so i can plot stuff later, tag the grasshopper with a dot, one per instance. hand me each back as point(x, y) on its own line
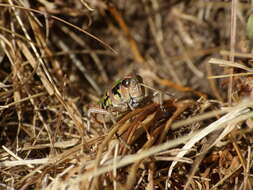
point(126, 94)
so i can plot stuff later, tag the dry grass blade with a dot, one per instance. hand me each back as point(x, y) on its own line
point(61, 20)
point(232, 117)
point(158, 126)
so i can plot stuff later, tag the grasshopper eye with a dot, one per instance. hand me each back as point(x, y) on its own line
point(126, 82)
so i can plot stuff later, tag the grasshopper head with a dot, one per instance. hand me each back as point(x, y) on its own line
point(132, 90)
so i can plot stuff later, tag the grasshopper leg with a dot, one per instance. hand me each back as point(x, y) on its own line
point(159, 92)
point(98, 111)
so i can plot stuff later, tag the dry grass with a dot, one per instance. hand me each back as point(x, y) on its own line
point(58, 57)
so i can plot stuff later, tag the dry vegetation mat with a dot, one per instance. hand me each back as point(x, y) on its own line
point(179, 116)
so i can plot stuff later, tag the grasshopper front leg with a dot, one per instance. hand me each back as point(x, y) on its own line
point(98, 111)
